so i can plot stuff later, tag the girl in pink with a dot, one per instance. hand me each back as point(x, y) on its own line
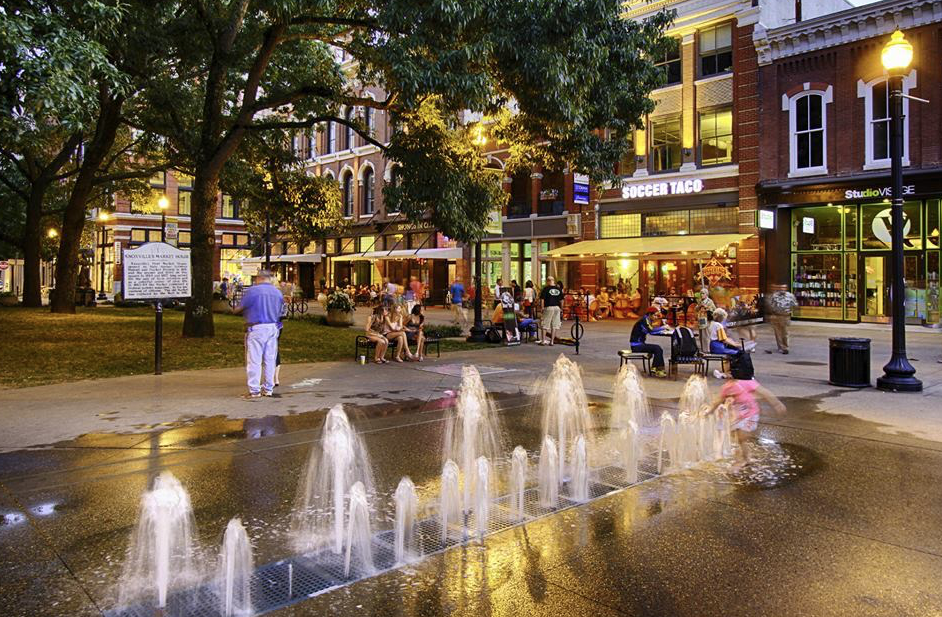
point(739, 395)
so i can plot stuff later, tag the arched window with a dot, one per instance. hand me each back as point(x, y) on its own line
point(350, 117)
point(807, 123)
point(347, 190)
point(877, 120)
point(331, 138)
point(394, 179)
point(369, 191)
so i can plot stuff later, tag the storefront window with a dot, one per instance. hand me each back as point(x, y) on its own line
point(421, 241)
point(850, 286)
point(623, 271)
point(670, 223)
point(932, 224)
point(367, 243)
point(620, 226)
point(876, 228)
point(817, 282)
point(492, 249)
point(394, 242)
point(850, 227)
point(230, 262)
point(817, 228)
point(933, 309)
point(348, 245)
point(714, 220)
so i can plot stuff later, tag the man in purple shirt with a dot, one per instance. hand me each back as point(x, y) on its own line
point(261, 306)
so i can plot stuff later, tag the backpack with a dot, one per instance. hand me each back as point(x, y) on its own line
point(683, 343)
point(740, 366)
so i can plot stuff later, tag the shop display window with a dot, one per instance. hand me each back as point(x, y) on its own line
point(932, 224)
point(817, 228)
point(933, 307)
point(876, 230)
point(620, 226)
point(817, 282)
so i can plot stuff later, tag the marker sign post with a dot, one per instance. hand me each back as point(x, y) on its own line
point(157, 271)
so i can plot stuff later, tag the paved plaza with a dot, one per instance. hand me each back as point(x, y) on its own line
point(847, 525)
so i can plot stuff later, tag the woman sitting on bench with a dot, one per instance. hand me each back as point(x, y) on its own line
point(415, 330)
point(639, 335)
point(374, 332)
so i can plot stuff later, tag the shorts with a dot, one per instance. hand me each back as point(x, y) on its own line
point(552, 318)
point(747, 424)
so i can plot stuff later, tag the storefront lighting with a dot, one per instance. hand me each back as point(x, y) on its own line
point(897, 54)
point(103, 216)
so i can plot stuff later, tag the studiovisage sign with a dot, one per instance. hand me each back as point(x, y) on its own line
point(662, 189)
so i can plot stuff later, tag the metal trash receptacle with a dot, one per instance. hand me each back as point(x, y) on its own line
point(850, 362)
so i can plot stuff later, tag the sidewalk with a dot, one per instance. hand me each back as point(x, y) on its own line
point(50, 414)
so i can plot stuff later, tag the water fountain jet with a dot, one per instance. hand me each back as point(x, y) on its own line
point(548, 474)
point(565, 410)
point(359, 536)
point(450, 510)
point(482, 496)
point(579, 484)
point(518, 482)
point(235, 572)
point(406, 506)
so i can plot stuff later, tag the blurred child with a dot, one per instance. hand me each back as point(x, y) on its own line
point(739, 395)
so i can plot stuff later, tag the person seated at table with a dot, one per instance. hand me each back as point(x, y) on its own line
point(638, 341)
point(602, 304)
point(634, 303)
point(720, 342)
point(375, 325)
point(415, 330)
point(395, 331)
point(526, 324)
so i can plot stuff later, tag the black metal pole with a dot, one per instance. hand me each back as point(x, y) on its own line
point(267, 241)
point(163, 225)
point(477, 330)
point(101, 278)
point(158, 338)
point(898, 374)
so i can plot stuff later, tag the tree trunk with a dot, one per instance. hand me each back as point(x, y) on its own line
point(32, 246)
point(198, 321)
point(73, 221)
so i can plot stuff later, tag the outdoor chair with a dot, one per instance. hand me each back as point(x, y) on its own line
point(626, 355)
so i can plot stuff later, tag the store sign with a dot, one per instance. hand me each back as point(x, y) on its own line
point(117, 252)
point(882, 193)
point(765, 219)
point(403, 227)
point(155, 271)
point(714, 271)
point(494, 223)
point(807, 225)
point(882, 226)
point(574, 225)
point(580, 189)
point(662, 189)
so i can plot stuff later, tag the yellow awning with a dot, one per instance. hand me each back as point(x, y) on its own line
point(628, 247)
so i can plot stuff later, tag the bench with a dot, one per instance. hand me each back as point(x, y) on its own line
point(626, 355)
point(675, 361)
point(367, 345)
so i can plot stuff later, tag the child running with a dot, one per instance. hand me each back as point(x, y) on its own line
point(739, 395)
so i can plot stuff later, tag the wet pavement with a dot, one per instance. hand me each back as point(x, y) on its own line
point(838, 520)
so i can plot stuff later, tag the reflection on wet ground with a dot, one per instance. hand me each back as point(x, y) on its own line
point(709, 541)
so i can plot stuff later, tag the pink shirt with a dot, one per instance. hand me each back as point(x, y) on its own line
point(743, 393)
point(417, 289)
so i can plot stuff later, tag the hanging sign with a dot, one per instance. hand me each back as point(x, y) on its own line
point(765, 219)
point(714, 271)
point(156, 270)
point(580, 189)
point(807, 225)
point(494, 223)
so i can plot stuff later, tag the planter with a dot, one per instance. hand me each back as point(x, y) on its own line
point(339, 318)
point(221, 306)
point(9, 301)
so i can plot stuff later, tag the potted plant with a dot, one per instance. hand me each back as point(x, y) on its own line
point(339, 309)
point(8, 298)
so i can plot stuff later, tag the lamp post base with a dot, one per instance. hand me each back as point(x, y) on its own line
point(899, 383)
point(477, 335)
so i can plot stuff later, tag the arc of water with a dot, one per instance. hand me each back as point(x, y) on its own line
point(235, 571)
point(482, 496)
point(358, 530)
point(518, 482)
point(580, 471)
point(667, 440)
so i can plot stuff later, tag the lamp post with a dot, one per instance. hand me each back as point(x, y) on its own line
point(898, 373)
point(103, 218)
point(477, 334)
point(163, 204)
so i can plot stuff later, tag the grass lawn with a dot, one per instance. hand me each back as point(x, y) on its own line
point(41, 348)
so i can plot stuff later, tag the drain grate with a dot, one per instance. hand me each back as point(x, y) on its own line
point(288, 581)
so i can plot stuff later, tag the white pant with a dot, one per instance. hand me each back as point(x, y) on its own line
point(261, 346)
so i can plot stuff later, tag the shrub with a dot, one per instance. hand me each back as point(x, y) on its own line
point(442, 331)
point(339, 301)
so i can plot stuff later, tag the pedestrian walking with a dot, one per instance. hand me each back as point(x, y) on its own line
point(261, 307)
point(552, 297)
point(457, 303)
point(780, 305)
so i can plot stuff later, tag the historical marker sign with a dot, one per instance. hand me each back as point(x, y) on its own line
point(156, 271)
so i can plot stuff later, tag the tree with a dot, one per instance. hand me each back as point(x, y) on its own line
point(576, 74)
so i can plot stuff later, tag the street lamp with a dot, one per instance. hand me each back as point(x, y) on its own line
point(52, 233)
point(898, 374)
point(478, 333)
point(163, 203)
point(103, 218)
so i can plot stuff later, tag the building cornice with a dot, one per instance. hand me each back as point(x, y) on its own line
point(856, 24)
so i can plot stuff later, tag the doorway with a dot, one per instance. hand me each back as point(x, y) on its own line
point(876, 278)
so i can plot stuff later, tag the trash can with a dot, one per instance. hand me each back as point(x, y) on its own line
point(850, 362)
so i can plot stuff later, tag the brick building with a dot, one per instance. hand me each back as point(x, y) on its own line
point(683, 211)
point(824, 161)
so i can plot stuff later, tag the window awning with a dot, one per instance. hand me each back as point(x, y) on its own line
point(311, 258)
point(629, 247)
point(443, 253)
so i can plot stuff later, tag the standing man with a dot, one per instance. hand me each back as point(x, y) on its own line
point(457, 308)
point(496, 291)
point(552, 297)
point(261, 306)
point(780, 306)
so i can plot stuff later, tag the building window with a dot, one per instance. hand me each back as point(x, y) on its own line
point(808, 132)
point(369, 120)
point(159, 179)
point(311, 145)
point(347, 191)
point(296, 144)
point(230, 208)
point(141, 236)
point(716, 50)
point(184, 202)
point(665, 145)
point(716, 137)
point(669, 62)
point(877, 121)
point(331, 138)
point(620, 225)
point(350, 117)
point(369, 191)
point(395, 178)
point(183, 238)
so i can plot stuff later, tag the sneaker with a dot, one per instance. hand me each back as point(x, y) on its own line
point(659, 373)
point(785, 352)
point(267, 393)
point(718, 374)
point(252, 395)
